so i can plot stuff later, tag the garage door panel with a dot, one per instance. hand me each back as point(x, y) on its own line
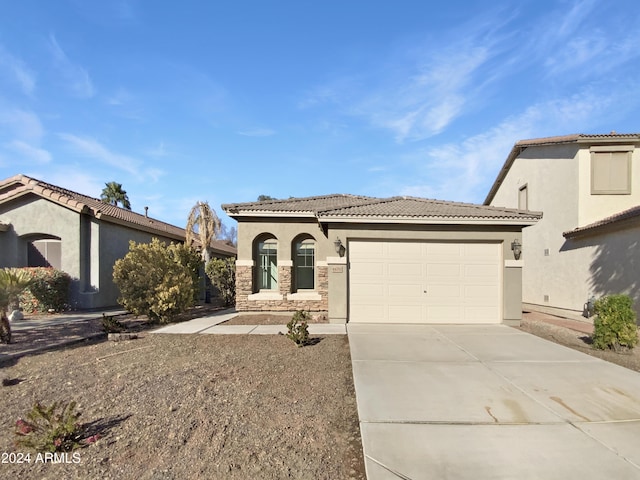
point(482, 270)
point(445, 313)
point(402, 291)
point(405, 313)
point(444, 291)
point(481, 314)
point(435, 270)
point(476, 293)
point(463, 282)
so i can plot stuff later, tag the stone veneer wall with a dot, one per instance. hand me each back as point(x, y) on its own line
point(244, 288)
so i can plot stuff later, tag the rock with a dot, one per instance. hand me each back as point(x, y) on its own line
point(117, 337)
point(16, 315)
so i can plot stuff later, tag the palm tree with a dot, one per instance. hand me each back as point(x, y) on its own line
point(204, 223)
point(12, 282)
point(113, 194)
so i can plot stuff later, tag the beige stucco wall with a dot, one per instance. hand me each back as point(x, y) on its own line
point(612, 261)
point(511, 275)
point(32, 215)
point(555, 273)
point(89, 247)
point(337, 266)
point(596, 207)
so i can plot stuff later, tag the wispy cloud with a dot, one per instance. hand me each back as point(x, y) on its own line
point(423, 85)
point(158, 151)
point(29, 152)
point(463, 171)
point(76, 78)
point(91, 148)
point(21, 124)
point(16, 70)
point(257, 132)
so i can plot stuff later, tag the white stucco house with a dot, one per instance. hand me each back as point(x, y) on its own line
point(588, 242)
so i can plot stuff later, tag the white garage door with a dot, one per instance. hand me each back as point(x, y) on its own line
point(424, 282)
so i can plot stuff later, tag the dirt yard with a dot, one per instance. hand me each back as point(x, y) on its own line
point(194, 406)
point(580, 341)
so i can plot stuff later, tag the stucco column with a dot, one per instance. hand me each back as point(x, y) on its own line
point(337, 267)
point(512, 292)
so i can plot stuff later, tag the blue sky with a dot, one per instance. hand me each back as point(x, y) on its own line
point(226, 100)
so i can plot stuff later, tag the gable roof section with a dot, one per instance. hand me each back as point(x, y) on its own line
point(305, 206)
point(578, 138)
point(20, 185)
point(359, 209)
point(621, 219)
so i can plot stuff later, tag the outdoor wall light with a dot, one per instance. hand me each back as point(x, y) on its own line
point(337, 244)
point(516, 247)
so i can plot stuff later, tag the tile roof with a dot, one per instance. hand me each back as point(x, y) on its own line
point(19, 185)
point(620, 218)
point(350, 207)
point(577, 138)
point(305, 204)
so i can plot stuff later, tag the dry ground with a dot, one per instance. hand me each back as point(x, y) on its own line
point(195, 406)
point(580, 341)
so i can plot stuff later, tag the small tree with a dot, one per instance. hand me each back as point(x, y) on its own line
point(152, 282)
point(615, 323)
point(222, 273)
point(204, 224)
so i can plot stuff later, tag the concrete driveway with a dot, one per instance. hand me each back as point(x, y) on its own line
point(490, 402)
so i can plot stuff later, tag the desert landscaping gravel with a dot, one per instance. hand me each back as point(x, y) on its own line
point(194, 406)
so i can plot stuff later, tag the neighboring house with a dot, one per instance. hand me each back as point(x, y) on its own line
point(363, 259)
point(45, 225)
point(587, 244)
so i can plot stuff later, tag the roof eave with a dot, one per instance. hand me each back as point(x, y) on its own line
point(431, 220)
point(136, 226)
point(266, 213)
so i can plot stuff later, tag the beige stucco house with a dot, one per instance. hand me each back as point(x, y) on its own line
point(587, 244)
point(364, 259)
point(45, 225)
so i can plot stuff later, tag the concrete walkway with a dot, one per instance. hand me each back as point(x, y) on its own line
point(211, 325)
point(490, 402)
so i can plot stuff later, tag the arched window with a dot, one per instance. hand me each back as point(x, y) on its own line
point(304, 261)
point(46, 252)
point(267, 264)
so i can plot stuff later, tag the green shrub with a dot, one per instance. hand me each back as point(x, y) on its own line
point(190, 258)
point(615, 323)
point(111, 324)
point(50, 429)
point(222, 273)
point(298, 328)
point(152, 282)
point(49, 290)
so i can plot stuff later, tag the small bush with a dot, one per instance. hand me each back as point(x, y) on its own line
point(298, 328)
point(51, 429)
point(111, 324)
point(222, 273)
point(49, 290)
point(152, 282)
point(615, 323)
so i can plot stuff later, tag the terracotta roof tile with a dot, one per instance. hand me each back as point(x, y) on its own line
point(22, 184)
point(618, 218)
point(351, 206)
point(305, 204)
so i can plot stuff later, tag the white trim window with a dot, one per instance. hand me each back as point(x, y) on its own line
point(304, 263)
point(268, 265)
